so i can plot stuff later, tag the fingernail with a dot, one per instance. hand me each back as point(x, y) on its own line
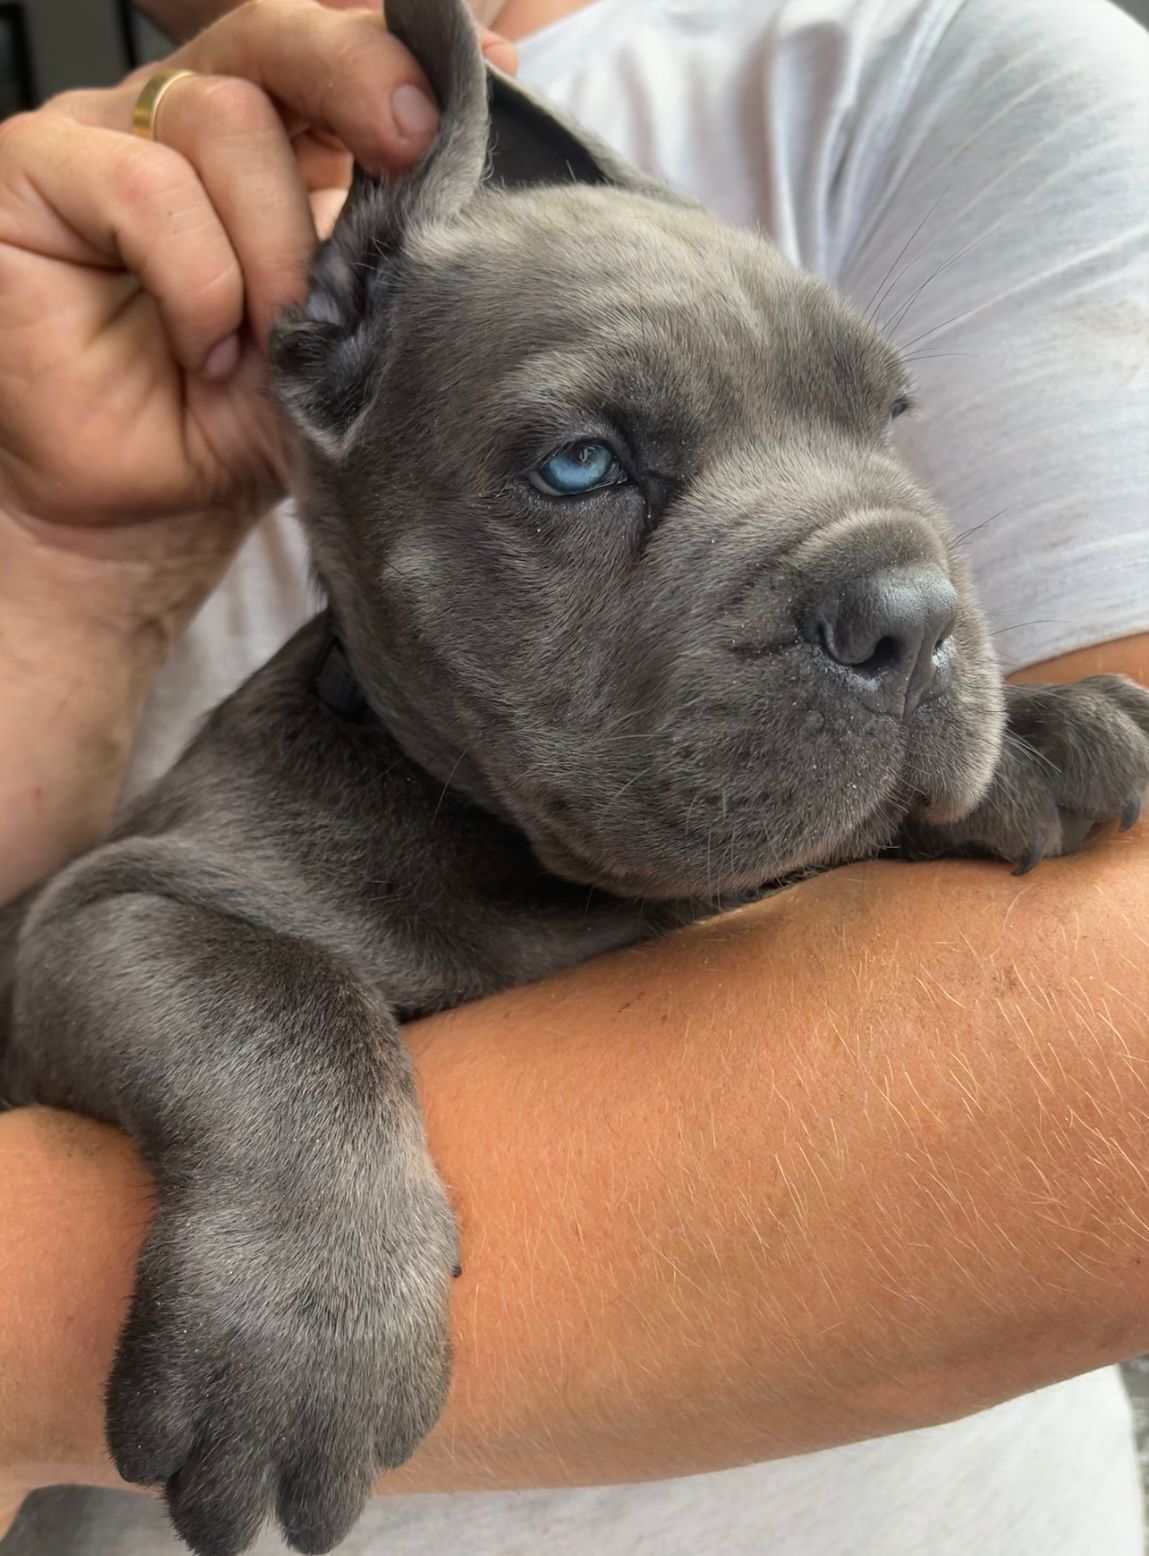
point(416, 116)
point(222, 360)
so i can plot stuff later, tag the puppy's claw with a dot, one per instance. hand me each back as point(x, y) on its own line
point(1033, 855)
point(457, 1271)
point(1130, 813)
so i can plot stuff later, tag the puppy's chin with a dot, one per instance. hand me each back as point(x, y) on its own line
point(570, 864)
point(727, 833)
point(683, 878)
point(951, 790)
point(741, 857)
point(941, 810)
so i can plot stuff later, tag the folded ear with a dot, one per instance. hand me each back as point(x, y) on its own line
point(322, 352)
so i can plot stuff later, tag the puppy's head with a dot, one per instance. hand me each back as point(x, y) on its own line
point(602, 494)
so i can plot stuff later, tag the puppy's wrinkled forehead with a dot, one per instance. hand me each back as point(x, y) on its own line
point(583, 300)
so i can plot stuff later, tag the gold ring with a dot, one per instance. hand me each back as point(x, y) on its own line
point(149, 100)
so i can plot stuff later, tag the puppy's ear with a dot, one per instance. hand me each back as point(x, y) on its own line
point(322, 352)
point(531, 143)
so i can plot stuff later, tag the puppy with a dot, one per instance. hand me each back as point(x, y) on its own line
point(633, 611)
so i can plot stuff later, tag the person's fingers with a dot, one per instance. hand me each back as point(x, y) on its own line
point(338, 70)
point(499, 50)
point(323, 162)
point(338, 81)
point(230, 133)
point(326, 205)
point(326, 173)
point(93, 197)
point(331, 70)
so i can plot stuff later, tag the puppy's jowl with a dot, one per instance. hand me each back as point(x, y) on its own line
point(633, 610)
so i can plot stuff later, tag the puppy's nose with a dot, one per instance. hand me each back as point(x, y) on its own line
point(885, 629)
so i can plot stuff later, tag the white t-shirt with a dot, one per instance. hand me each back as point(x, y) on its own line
point(977, 171)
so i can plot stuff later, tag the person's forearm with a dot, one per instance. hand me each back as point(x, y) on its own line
point(863, 1157)
point(74, 1206)
point(73, 683)
point(87, 617)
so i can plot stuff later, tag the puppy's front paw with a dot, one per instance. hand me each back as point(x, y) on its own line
point(275, 1359)
point(1073, 756)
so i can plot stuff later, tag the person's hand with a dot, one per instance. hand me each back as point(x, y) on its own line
point(138, 281)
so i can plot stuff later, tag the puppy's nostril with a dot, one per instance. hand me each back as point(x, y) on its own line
point(884, 630)
point(845, 646)
point(855, 645)
point(884, 657)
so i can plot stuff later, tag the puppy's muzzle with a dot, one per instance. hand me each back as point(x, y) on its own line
point(887, 632)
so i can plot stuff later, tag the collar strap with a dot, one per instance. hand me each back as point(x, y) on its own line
point(335, 684)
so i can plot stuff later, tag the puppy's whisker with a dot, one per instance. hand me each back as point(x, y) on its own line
point(933, 356)
point(625, 717)
point(899, 318)
point(630, 782)
point(862, 250)
point(749, 728)
point(1035, 621)
point(975, 529)
point(883, 289)
point(447, 784)
point(1019, 743)
point(936, 329)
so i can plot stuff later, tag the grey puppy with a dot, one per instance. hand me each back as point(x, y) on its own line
point(633, 610)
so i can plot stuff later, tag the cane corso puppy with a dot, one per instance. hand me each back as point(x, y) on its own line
point(633, 611)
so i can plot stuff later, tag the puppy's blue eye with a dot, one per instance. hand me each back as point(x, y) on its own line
point(580, 467)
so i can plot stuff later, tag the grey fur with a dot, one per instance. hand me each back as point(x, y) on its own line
point(592, 719)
